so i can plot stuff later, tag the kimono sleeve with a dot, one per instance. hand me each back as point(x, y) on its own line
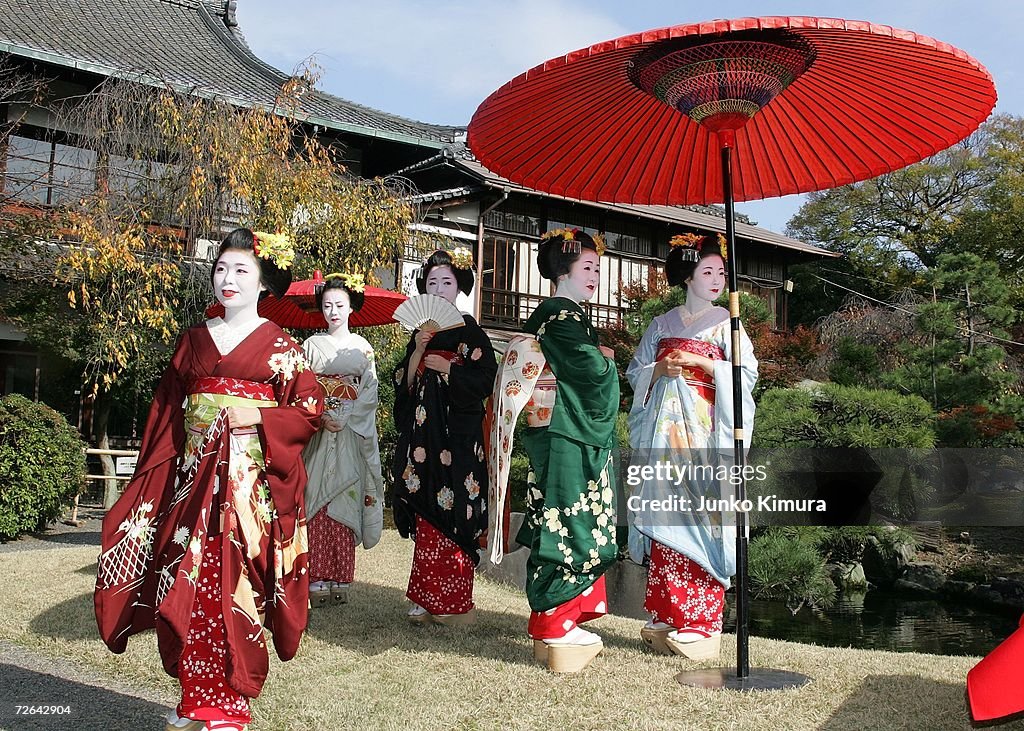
point(640, 372)
point(404, 399)
point(164, 437)
point(363, 418)
point(472, 381)
point(286, 429)
point(588, 384)
point(723, 389)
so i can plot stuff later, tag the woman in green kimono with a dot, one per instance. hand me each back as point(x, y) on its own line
point(570, 519)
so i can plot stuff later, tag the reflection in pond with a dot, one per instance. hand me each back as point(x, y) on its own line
point(882, 621)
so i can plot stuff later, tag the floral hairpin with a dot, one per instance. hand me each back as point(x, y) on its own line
point(462, 258)
point(353, 282)
point(274, 247)
point(691, 243)
point(570, 242)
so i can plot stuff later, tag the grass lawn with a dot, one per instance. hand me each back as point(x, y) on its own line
point(361, 666)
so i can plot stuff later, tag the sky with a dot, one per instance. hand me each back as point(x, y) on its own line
point(436, 60)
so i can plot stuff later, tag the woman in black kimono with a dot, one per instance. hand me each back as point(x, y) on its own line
point(440, 473)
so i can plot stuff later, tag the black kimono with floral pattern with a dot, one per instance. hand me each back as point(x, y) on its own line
point(440, 468)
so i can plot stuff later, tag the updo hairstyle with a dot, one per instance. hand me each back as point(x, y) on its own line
point(556, 254)
point(275, 279)
point(355, 299)
point(682, 261)
point(441, 258)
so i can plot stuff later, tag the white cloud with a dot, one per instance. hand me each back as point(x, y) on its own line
point(456, 49)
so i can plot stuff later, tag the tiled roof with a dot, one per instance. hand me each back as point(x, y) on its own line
point(192, 45)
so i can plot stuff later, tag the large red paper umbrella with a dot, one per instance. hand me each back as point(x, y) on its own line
point(298, 308)
point(731, 110)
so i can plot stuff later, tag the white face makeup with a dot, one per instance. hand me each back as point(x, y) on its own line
point(708, 279)
point(581, 282)
point(236, 280)
point(441, 281)
point(336, 308)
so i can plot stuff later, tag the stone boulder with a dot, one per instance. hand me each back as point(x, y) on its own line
point(882, 568)
point(921, 577)
point(848, 576)
point(1011, 591)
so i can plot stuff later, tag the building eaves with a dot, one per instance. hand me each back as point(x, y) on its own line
point(438, 196)
point(680, 215)
point(187, 45)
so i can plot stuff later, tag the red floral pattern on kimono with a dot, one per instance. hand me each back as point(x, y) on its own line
point(184, 491)
point(681, 593)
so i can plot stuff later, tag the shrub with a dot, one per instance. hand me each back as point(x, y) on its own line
point(42, 465)
point(843, 416)
point(855, 364)
point(785, 565)
point(855, 420)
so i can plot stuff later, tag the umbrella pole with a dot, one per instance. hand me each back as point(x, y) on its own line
point(723, 678)
point(739, 438)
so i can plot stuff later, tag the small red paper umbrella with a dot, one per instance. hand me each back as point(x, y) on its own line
point(298, 308)
point(731, 110)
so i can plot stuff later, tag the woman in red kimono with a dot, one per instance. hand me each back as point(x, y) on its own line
point(440, 474)
point(208, 542)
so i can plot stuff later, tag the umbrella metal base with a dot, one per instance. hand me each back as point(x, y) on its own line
point(726, 679)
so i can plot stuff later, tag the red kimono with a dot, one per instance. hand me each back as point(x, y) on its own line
point(200, 487)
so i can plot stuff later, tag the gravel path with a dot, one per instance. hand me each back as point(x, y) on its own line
point(62, 534)
point(76, 699)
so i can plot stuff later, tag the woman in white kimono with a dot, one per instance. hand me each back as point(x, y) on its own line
point(682, 411)
point(343, 458)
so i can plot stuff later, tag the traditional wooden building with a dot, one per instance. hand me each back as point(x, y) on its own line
point(505, 220)
point(197, 47)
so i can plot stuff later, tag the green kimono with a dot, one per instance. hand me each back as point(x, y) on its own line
point(570, 515)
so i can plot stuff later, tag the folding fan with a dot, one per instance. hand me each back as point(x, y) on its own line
point(428, 312)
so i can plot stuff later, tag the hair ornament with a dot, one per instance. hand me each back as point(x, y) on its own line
point(570, 242)
point(274, 247)
point(462, 258)
point(691, 243)
point(353, 282)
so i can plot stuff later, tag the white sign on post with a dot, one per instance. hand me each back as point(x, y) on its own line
point(125, 465)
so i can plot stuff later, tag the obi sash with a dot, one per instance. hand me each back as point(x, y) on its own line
point(446, 354)
point(222, 386)
point(338, 389)
point(209, 394)
point(703, 383)
point(538, 409)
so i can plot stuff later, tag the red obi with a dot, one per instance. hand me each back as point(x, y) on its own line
point(446, 354)
point(338, 388)
point(696, 378)
point(233, 387)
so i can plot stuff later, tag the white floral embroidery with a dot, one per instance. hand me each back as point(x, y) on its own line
point(286, 364)
point(181, 535)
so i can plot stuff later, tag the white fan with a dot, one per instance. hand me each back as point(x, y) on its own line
point(429, 312)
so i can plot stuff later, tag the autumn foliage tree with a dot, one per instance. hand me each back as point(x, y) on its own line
point(173, 172)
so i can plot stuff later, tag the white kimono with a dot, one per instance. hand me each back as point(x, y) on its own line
point(675, 420)
point(344, 466)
